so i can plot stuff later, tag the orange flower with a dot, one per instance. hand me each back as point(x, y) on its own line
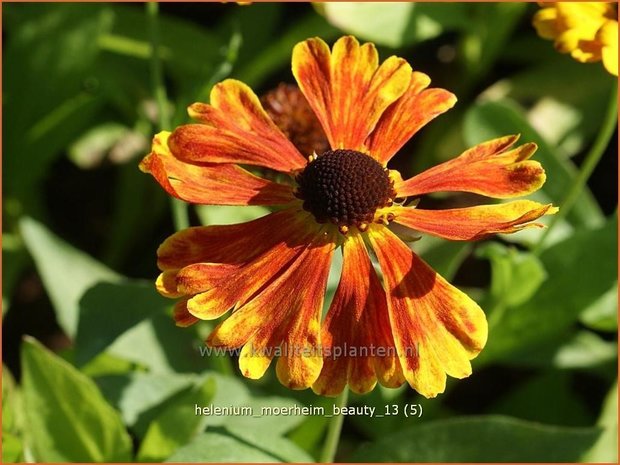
point(411, 325)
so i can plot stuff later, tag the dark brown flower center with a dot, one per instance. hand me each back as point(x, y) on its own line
point(345, 187)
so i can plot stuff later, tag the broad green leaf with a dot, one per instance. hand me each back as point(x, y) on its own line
point(243, 445)
point(66, 272)
point(606, 448)
point(161, 346)
point(309, 435)
point(141, 397)
point(582, 349)
point(579, 270)
point(220, 447)
point(67, 418)
point(177, 424)
point(103, 365)
point(395, 24)
point(12, 448)
point(489, 120)
point(585, 350)
point(529, 400)
point(107, 310)
point(264, 418)
point(481, 439)
point(602, 315)
point(383, 400)
point(515, 276)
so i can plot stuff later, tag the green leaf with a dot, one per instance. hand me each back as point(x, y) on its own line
point(177, 424)
point(394, 24)
point(583, 349)
point(247, 445)
point(161, 346)
point(606, 448)
point(222, 214)
point(602, 315)
point(529, 400)
point(66, 272)
point(275, 424)
point(59, 44)
point(141, 397)
point(67, 418)
point(576, 116)
point(107, 310)
point(12, 420)
point(579, 271)
point(489, 120)
point(103, 365)
point(515, 276)
point(481, 439)
point(12, 448)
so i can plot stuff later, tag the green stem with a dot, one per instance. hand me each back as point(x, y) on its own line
point(333, 431)
point(591, 160)
point(180, 214)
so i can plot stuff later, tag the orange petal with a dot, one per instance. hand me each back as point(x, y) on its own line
point(235, 243)
point(166, 284)
point(437, 328)
point(237, 130)
point(356, 336)
point(283, 320)
point(210, 184)
point(347, 89)
point(407, 116)
point(224, 292)
point(473, 223)
point(181, 315)
point(486, 169)
point(199, 277)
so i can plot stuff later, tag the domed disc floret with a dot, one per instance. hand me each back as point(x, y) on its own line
point(344, 187)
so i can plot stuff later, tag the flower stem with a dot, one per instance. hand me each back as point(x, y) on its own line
point(333, 430)
point(180, 215)
point(589, 163)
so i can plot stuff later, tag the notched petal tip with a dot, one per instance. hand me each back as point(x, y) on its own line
point(166, 284)
point(489, 169)
point(437, 328)
point(298, 372)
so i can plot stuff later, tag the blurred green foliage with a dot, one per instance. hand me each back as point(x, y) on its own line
point(122, 381)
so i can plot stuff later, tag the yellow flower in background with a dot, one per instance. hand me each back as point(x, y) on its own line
point(586, 30)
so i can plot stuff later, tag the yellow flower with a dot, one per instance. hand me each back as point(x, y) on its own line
point(586, 30)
